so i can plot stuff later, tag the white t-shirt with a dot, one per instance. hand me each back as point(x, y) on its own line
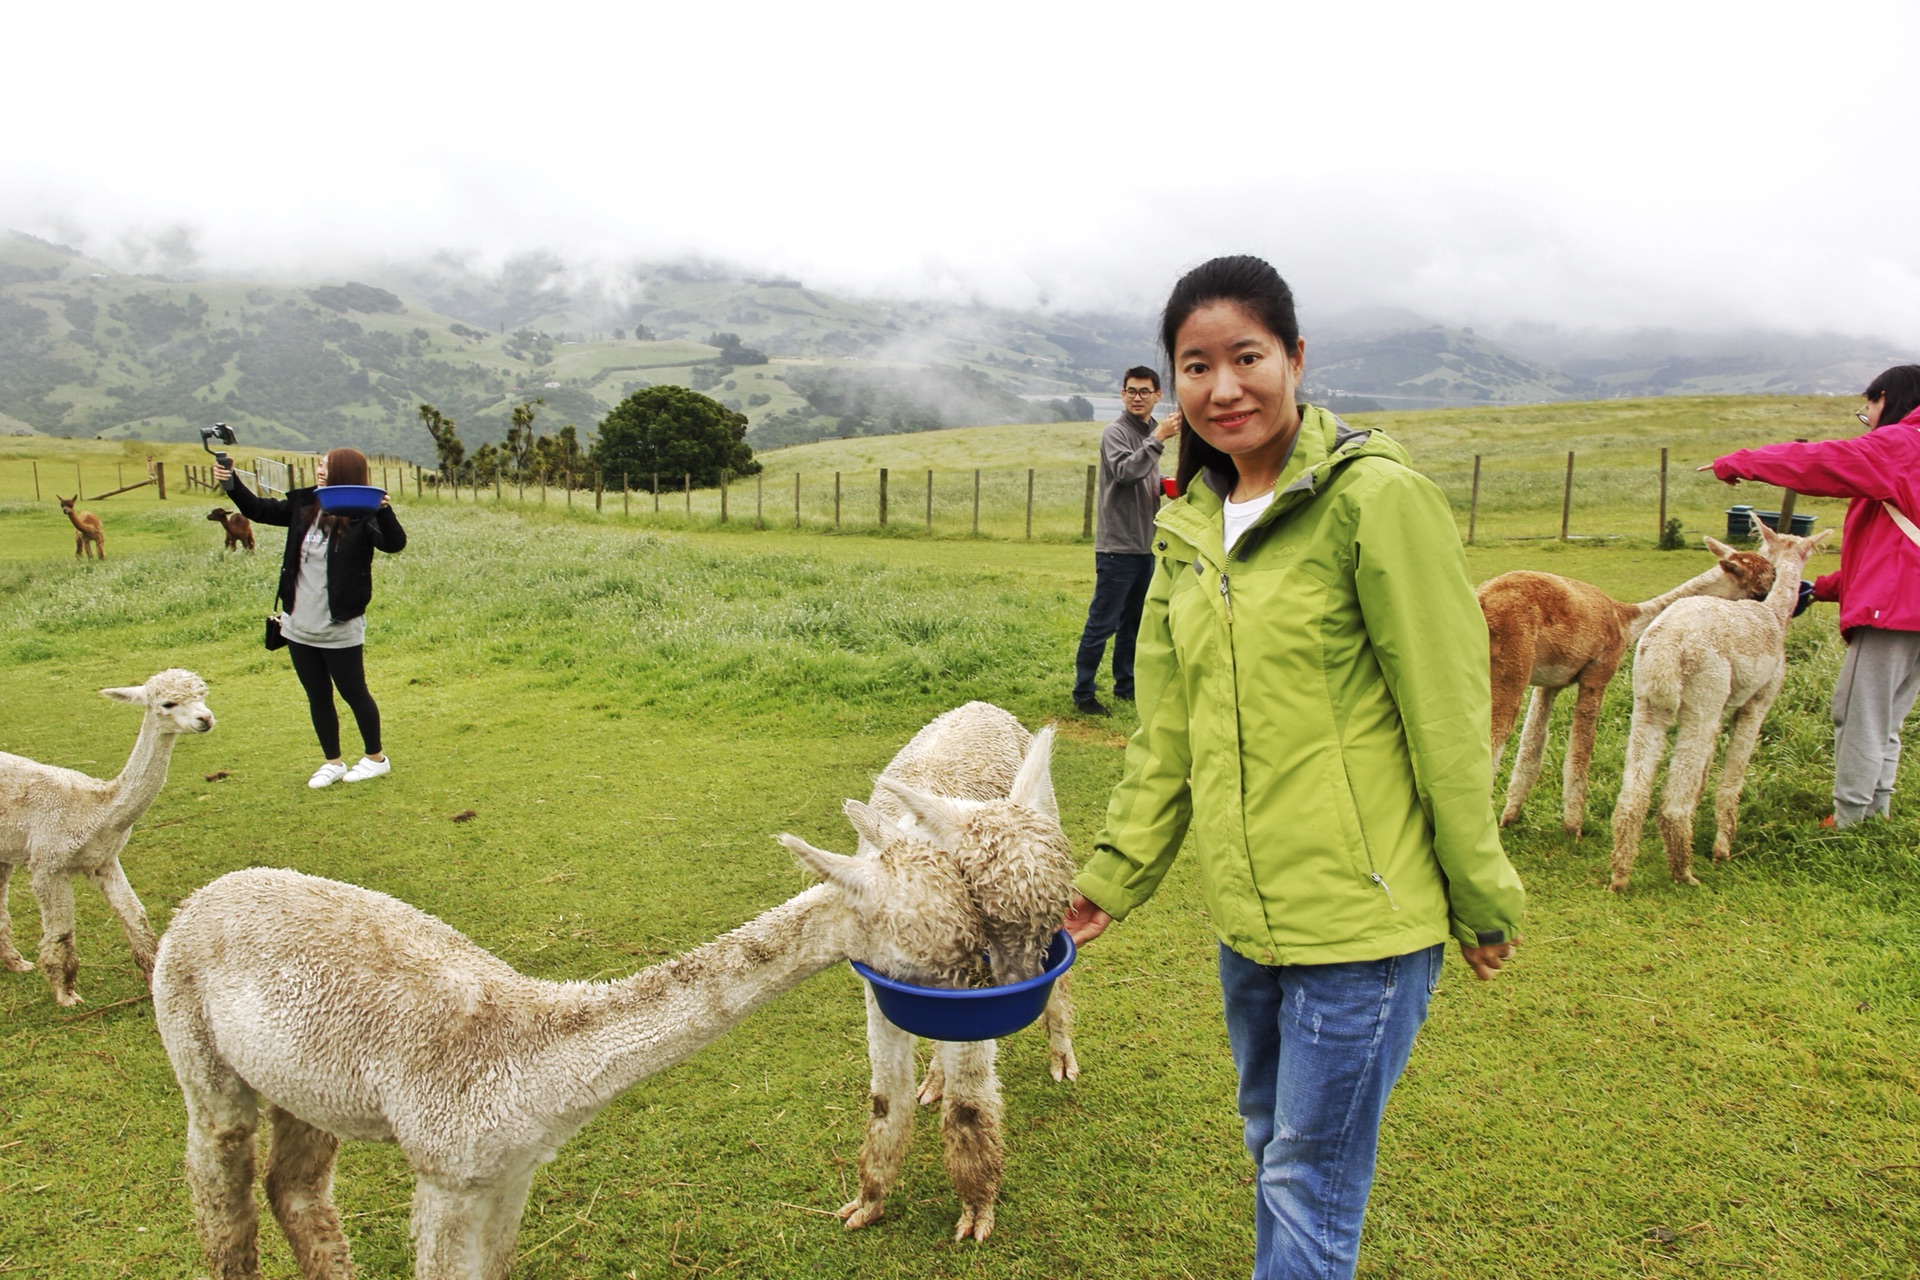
point(1241, 515)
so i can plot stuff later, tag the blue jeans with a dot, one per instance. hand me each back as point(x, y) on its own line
point(1318, 1049)
point(1119, 591)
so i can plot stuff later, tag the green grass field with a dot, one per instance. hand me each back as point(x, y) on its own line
point(1675, 1082)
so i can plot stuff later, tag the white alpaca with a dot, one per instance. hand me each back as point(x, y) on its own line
point(60, 823)
point(974, 785)
point(349, 1014)
point(1701, 660)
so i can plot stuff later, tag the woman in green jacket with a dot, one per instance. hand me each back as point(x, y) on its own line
point(1312, 682)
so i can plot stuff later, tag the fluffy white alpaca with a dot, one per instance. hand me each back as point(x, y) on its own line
point(974, 785)
point(60, 823)
point(1702, 660)
point(345, 1013)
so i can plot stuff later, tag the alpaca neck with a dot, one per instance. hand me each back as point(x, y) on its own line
point(1785, 594)
point(1647, 610)
point(657, 1017)
point(145, 773)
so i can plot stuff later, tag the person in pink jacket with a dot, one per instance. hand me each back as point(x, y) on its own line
point(1878, 582)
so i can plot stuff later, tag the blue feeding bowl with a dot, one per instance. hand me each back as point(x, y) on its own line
point(345, 499)
point(971, 1013)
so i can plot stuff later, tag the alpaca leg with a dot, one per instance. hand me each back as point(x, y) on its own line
point(221, 1117)
point(890, 1128)
point(1573, 774)
point(1533, 749)
point(1743, 734)
point(299, 1179)
point(1686, 779)
point(1645, 742)
point(59, 958)
point(505, 1206)
point(970, 1128)
point(9, 955)
point(448, 1231)
point(112, 880)
point(1509, 671)
point(1058, 1021)
point(932, 1084)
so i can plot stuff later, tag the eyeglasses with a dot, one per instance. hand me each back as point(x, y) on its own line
point(1139, 393)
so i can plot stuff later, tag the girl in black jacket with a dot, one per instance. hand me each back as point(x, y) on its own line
point(326, 582)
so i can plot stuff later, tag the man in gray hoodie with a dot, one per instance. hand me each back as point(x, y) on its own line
point(1130, 451)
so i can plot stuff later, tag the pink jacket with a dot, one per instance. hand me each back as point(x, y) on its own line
point(1878, 583)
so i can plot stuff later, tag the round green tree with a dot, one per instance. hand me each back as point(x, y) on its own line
point(673, 431)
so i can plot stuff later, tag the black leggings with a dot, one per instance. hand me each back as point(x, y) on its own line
point(321, 671)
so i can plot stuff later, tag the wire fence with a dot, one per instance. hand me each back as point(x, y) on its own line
point(1633, 493)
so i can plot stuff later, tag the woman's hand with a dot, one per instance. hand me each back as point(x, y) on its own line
point(1709, 467)
point(1486, 961)
point(221, 474)
point(1084, 921)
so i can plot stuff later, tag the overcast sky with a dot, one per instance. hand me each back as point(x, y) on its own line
point(1631, 164)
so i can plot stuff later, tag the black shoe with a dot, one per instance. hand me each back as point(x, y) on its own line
point(1123, 697)
point(1091, 707)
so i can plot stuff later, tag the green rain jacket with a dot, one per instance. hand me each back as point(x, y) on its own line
point(1316, 707)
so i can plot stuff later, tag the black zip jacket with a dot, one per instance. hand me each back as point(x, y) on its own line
point(349, 556)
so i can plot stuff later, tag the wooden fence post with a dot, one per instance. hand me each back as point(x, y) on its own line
point(883, 497)
point(1029, 504)
point(836, 499)
point(976, 502)
point(160, 479)
point(1787, 499)
point(656, 493)
point(686, 482)
point(1566, 500)
point(796, 499)
point(496, 486)
point(543, 486)
point(36, 479)
point(599, 488)
point(626, 496)
point(1662, 536)
point(759, 499)
point(419, 484)
point(723, 497)
point(569, 486)
point(1473, 503)
point(1086, 517)
point(929, 499)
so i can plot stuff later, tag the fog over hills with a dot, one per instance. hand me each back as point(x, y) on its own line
point(347, 358)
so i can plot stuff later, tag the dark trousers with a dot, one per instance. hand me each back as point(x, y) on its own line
point(1119, 591)
point(321, 671)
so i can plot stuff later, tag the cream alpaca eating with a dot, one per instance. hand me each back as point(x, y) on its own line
point(414, 1035)
point(60, 823)
point(1702, 660)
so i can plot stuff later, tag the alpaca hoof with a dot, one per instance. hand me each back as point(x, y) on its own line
point(19, 964)
point(932, 1088)
point(1508, 819)
point(1064, 1065)
point(977, 1223)
point(68, 998)
point(1617, 885)
point(859, 1213)
point(1686, 878)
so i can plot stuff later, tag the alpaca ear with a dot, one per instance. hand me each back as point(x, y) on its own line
point(1819, 538)
point(942, 819)
point(1721, 551)
point(870, 824)
point(1033, 785)
point(857, 876)
point(134, 694)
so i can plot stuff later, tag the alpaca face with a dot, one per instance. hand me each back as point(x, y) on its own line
point(175, 698)
point(914, 918)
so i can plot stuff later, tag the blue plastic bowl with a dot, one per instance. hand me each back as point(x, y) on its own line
point(972, 1013)
point(344, 498)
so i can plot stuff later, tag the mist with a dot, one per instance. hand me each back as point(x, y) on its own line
point(1599, 168)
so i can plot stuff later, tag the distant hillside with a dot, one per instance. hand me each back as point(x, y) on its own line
point(88, 351)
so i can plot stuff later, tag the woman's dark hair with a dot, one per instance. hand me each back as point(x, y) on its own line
point(344, 466)
point(1247, 282)
point(1901, 386)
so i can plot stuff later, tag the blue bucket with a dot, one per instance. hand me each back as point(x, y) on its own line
point(970, 1013)
point(344, 499)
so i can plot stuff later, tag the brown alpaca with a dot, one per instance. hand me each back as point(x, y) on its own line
point(239, 528)
point(1551, 632)
point(1704, 660)
point(88, 526)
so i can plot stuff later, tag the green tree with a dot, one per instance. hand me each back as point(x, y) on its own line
point(673, 431)
point(446, 442)
point(519, 445)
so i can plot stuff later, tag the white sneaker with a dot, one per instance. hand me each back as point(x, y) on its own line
point(326, 775)
point(369, 768)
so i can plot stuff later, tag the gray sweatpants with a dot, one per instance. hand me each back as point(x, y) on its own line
point(1877, 686)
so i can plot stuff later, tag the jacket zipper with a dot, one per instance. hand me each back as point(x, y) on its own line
point(1226, 596)
point(1379, 880)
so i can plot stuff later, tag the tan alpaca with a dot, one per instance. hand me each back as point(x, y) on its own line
point(346, 1014)
point(974, 786)
point(1551, 632)
point(87, 529)
point(1698, 662)
point(60, 824)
